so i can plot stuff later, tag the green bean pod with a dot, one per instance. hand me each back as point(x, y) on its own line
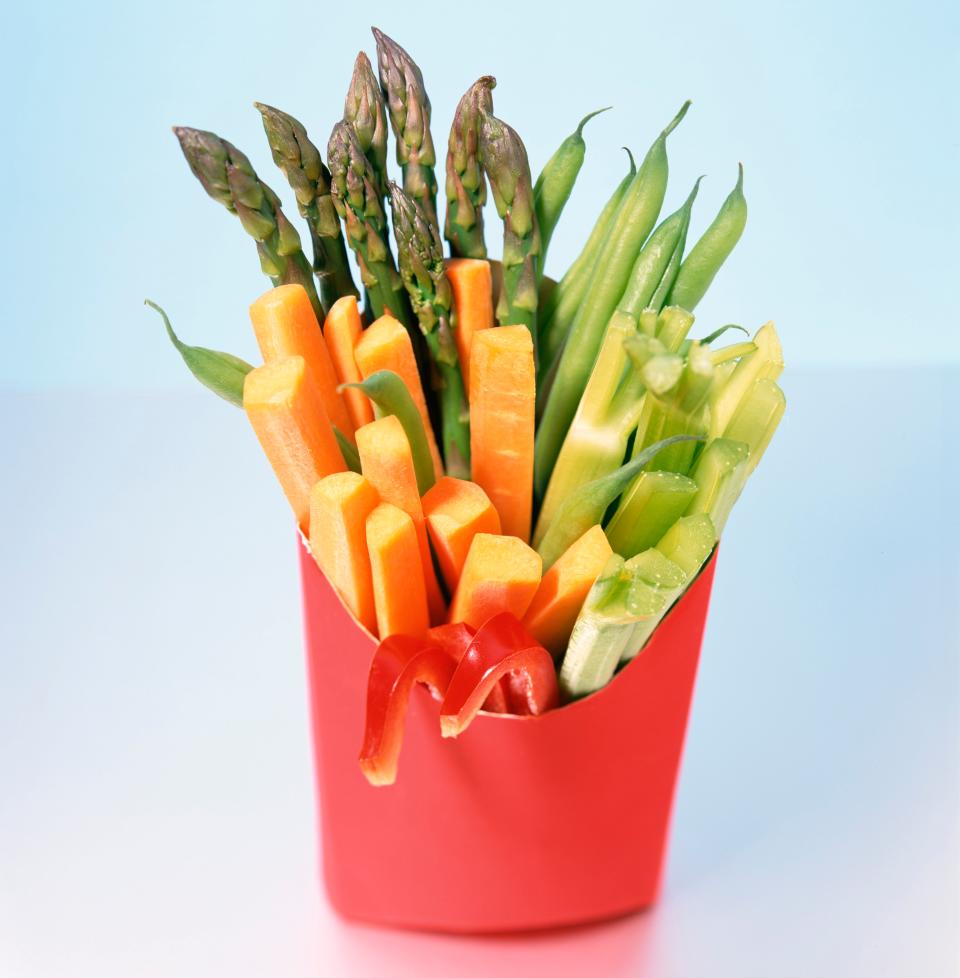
point(711, 251)
point(555, 183)
point(348, 450)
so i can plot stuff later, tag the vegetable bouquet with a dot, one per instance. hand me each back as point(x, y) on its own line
point(508, 479)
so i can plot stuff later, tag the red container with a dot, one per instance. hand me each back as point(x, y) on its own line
point(522, 822)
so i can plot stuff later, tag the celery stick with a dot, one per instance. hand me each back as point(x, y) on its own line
point(652, 505)
point(653, 567)
point(657, 583)
point(720, 476)
point(689, 542)
point(732, 352)
point(673, 324)
point(766, 362)
point(648, 321)
point(756, 418)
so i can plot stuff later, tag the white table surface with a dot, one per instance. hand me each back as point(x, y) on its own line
point(156, 805)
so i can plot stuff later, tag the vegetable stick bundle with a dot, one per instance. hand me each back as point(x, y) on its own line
point(479, 451)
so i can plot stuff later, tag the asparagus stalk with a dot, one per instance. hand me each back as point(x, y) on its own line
point(720, 476)
point(657, 502)
point(420, 254)
point(358, 202)
point(689, 542)
point(364, 109)
point(466, 187)
point(409, 108)
point(756, 418)
point(300, 161)
point(228, 177)
point(504, 160)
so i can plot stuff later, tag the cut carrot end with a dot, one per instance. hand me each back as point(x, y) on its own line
point(399, 592)
point(342, 330)
point(471, 282)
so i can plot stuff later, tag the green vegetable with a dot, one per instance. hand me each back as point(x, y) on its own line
point(673, 324)
point(504, 160)
point(555, 183)
point(657, 500)
point(465, 186)
point(557, 312)
point(409, 109)
point(689, 542)
point(766, 361)
point(635, 218)
point(420, 254)
point(228, 177)
point(657, 583)
point(711, 251)
point(301, 164)
point(585, 506)
point(223, 373)
point(720, 475)
point(348, 450)
point(756, 418)
point(364, 109)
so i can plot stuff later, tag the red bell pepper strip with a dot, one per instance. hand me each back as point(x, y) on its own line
point(501, 648)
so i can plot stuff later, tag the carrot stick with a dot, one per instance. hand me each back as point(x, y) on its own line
point(387, 462)
point(456, 511)
point(339, 507)
point(502, 396)
point(558, 600)
point(286, 326)
point(398, 589)
point(499, 574)
point(472, 286)
point(385, 345)
point(342, 330)
point(283, 403)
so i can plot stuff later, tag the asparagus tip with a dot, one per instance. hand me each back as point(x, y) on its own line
point(588, 117)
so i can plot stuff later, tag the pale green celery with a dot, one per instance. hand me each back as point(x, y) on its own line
point(689, 542)
point(720, 475)
point(647, 321)
point(732, 352)
point(673, 324)
point(756, 418)
point(649, 508)
point(657, 583)
point(765, 362)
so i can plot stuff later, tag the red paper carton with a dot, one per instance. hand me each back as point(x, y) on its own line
point(522, 822)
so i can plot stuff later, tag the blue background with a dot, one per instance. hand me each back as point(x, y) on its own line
point(844, 115)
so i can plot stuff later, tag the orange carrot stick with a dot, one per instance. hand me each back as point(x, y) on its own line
point(558, 600)
point(284, 405)
point(341, 330)
point(499, 574)
point(386, 460)
point(502, 396)
point(398, 589)
point(286, 326)
point(472, 286)
point(456, 511)
point(339, 507)
point(385, 345)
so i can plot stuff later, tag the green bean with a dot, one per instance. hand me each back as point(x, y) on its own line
point(635, 218)
point(555, 183)
point(223, 373)
point(391, 396)
point(348, 450)
point(673, 266)
point(711, 251)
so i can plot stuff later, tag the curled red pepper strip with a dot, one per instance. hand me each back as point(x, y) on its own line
point(500, 648)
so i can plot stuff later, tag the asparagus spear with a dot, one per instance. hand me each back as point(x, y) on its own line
point(504, 160)
point(409, 107)
point(363, 108)
point(358, 202)
point(420, 254)
point(466, 187)
point(228, 177)
point(300, 161)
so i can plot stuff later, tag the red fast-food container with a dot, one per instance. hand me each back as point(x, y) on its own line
point(521, 823)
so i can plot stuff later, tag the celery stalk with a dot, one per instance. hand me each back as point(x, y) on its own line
point(689, 542)
point(657, 583)
point(673, 324)
point(654, 503)
point(756, 418)
point(765, 362)
point(720, 476)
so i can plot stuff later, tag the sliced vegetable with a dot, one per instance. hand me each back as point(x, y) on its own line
point(689, 542)
point(766, 361)
point(502, 398)
point(342, 330)
point(501, 573)
point(562, 591)
point(472, 285)
point(456, 511)
point(756, 418)
point(720, 476)
point(399, 591)
point(652, 572)
point(284, 405)
point(339, 507)
point(654, 502)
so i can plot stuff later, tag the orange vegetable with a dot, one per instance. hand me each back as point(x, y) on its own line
point(499, 574)
point(456, 511)
point(558, 600)
point(342, 330)
point(385, 345)
point(502, 396)
point(472, 286)
point(283, 403)
point(285, 326)
point(386, 460)
point(399, 593)
point(339, 507)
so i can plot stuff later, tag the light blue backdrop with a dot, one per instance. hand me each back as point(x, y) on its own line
point(844, 115)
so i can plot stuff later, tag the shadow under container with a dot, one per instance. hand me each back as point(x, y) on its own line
point(521, 823)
